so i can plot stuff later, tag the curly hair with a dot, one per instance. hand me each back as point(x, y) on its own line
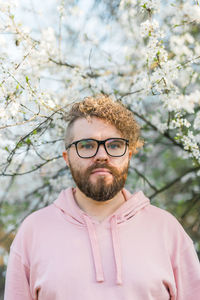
point(114, 112)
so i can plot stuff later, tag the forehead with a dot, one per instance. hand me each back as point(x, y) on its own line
point(93, 128)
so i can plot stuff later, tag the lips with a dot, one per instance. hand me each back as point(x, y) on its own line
point(101, 171)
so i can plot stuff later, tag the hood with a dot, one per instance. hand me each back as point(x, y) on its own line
point(133, 204)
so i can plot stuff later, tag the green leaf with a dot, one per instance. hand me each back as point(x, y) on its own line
point(19, 144)
point(28, 141)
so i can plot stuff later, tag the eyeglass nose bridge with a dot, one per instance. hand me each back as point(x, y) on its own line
point(99, 144)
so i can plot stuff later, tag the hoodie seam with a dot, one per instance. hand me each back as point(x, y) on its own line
point(20, 257)
point(64, 216)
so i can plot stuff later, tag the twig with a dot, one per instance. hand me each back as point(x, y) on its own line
point(145, 179)
point(168, 185)
point(33, 170)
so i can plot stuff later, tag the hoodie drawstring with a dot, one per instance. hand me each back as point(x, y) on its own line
point(116, 249)
point(96, 250)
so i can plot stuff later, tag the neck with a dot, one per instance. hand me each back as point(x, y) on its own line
point(97, 209)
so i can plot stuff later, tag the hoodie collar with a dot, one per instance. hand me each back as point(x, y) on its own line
point(134, 202)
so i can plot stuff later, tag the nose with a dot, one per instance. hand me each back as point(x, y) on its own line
point(101, 154)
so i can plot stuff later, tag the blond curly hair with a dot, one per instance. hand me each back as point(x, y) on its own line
point(114, 112)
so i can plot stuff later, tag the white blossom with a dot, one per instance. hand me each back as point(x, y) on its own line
point(179, 44)
point(183, 102)
point(148, 28)
point(191, 11)
point(190, 143)
point(125, 3)
point(179, 122)
point(5, 6)
point(151, 4)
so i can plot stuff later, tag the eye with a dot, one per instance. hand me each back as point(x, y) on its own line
point(115, 145)
point(86, 145)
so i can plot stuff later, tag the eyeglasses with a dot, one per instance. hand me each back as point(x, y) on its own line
point(87, 148)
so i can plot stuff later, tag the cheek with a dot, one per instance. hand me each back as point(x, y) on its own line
point(78, 163)
point(120, 162)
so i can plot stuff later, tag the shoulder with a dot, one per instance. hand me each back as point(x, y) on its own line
point(31, 225)
point(169, 227)
point(164, 217)
point(161, 215)
point(38, 217)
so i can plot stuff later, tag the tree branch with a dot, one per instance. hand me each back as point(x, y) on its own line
point(30, 171)
point(168, 185)
point(145, 179)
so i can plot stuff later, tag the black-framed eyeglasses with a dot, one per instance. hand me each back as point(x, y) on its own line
point(87, 148)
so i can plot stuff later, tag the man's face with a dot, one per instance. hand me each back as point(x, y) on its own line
point(100, 177)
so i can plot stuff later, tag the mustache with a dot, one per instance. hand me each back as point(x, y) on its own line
point(103, 166)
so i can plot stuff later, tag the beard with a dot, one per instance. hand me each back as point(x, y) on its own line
point(100, 190)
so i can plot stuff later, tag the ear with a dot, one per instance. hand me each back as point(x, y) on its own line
point(130, 153)
point(66, 157)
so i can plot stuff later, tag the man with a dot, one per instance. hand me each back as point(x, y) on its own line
point(97, 241)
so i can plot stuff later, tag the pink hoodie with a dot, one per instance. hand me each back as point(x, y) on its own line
point(140, 252)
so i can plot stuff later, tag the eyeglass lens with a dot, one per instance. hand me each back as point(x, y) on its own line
point(114, 147)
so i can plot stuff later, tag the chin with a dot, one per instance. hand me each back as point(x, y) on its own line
point(106, 179)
